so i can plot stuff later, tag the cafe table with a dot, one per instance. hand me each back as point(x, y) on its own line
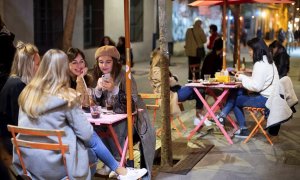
point(209, 87)
point(108, 119)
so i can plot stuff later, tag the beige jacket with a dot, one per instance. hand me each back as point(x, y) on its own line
point(191, 43)
point(155, 81)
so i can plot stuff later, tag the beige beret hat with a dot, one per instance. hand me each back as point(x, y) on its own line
point(107, 51)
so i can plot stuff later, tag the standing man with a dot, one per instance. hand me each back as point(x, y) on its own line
point(194, 46)
point(213, 30)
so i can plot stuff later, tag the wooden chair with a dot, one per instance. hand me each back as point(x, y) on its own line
point(63, 148)
point(194, 68)
point(156, 106)
point(253, 112)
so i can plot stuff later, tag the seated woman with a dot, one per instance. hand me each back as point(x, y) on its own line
point(264, 81)
point(47, 102)
point(25, 64)
point(282, 62)
point(122, 50)
point(112, 79)
point(80, 80)
point(183, 93)
point(280, 57)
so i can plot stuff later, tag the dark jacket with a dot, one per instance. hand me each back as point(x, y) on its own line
point(212, 64)
point(7, 51)
point(282, 61)
point(9, 108)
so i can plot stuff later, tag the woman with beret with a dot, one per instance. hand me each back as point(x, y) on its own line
point(111, 79)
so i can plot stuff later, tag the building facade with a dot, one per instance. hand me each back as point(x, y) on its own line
point(41, 22)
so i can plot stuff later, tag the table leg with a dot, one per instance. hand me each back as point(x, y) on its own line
point(115, 138)
point(211, 112)
point(124, 152)
point(232, 122)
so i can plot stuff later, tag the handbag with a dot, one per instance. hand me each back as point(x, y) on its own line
point(120, 103)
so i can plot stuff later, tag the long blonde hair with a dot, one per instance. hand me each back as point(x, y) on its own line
point(52, 78)
point(23, 64)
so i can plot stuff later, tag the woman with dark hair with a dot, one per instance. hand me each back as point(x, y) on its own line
point(79, 80)
point(122, 50)
point(263, 81)
point(280, 57)
point(106, 40)
point(111, 80)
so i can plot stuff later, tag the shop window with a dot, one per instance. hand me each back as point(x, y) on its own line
point(136, 20)
point(48, 24)
point(93, 22)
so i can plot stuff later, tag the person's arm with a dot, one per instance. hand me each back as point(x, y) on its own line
point(78, 122)
point(202, 36)
point(98, 90)
point(257, 81)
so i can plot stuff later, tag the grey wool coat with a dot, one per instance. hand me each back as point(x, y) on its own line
point(44, 164)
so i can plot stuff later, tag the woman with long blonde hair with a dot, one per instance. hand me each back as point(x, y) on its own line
point(24, 66)
point(48, 102)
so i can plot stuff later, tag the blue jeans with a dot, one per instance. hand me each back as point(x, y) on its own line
point(236, 100)
point(102, 153)
point(188, 93)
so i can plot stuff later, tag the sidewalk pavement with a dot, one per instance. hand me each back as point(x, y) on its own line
point(255, 160)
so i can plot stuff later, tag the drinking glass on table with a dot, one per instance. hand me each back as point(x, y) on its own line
point(206, 77)
point(95, 111)
point(109, 104)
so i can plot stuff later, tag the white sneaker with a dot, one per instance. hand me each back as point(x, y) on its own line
point(206, 122)
point(105, 170)
point(113, 174)
point(133, 174)
point(196, 121)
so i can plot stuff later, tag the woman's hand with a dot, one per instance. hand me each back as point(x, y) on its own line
point(99, 84)
point(108, 84)
point(83, 72)
point(239, 75)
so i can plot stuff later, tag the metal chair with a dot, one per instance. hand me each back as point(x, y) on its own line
point(253, 112)
point(156, 106)
point(63, 148)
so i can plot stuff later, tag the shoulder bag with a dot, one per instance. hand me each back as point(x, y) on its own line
point(200, 52)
